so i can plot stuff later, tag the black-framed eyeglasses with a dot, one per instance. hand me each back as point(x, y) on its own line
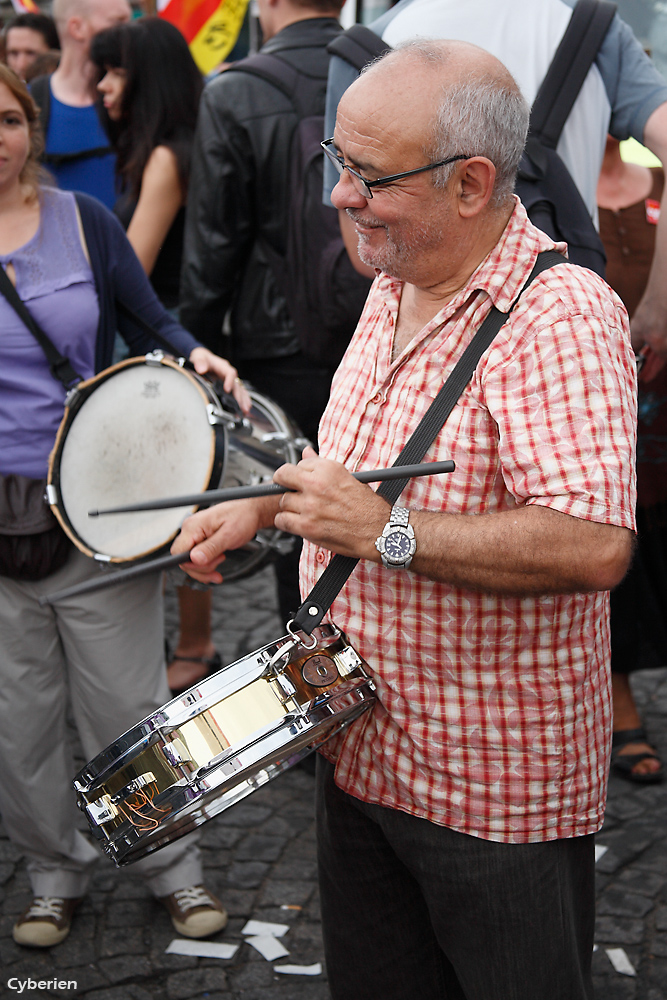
point(366, 185)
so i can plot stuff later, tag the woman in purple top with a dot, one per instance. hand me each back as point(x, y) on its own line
point(69, 260)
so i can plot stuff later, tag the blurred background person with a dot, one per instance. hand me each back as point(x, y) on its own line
point(238, 219)
point(26, 37)
point(629, 197)
point(77, 151)
point(44, 65)
point(102, 654)
point(150, 88)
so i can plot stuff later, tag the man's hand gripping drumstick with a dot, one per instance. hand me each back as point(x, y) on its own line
point(328, 506)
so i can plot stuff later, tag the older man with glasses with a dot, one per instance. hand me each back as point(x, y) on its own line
point(456, 819)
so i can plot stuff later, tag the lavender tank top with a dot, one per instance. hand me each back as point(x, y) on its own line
point(55, 280)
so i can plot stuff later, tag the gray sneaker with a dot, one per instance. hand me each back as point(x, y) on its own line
point(46, 922)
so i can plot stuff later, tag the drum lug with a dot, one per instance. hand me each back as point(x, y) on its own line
point(218, 418)
point(100, 811)
point(51, 495)
point(176, 753)
point(73, 399)
point(283, 687)
point(347, 661)
point(154, 358)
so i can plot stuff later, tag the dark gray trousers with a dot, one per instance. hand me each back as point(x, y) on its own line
point(415, 911)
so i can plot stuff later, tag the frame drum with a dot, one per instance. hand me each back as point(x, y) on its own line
point(218, 742)
point(148, 428)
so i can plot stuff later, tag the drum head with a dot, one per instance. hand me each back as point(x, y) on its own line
point(143, 432)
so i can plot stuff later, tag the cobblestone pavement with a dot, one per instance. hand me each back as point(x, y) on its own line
point(260, 858)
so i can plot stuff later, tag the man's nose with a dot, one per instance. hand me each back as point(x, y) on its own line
point(346, 194)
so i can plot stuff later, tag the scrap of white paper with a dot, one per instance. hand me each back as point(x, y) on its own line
point(262, 928)
point(600, 850)
point(300, 970)
point(202, 949)
point(621, 962)
point(269, 947)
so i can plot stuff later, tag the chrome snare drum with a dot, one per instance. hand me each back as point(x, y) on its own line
point(225, 737)
point(148, 428)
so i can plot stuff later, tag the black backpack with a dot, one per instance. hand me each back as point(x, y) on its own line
point(325, 295)
point(544, 184)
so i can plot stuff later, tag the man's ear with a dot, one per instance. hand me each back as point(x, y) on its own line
point(477, 177)
point(76, 28)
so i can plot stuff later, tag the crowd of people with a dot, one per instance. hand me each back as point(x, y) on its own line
point(456, 819)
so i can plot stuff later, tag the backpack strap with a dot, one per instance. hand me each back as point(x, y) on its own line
point(569, 67)
point(358, 46)
point(40, 90)
point(332, 581)
point(275, 71)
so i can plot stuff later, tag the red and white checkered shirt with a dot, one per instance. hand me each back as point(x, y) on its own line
point(494, 713)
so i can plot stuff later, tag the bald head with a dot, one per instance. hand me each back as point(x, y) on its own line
point(96, 14)
point(448, 98)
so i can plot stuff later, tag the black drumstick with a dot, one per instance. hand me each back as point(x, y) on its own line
point(120, 576)
point(269, 489)
point(169, 561)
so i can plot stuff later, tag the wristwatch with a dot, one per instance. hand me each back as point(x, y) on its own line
point(397, 543)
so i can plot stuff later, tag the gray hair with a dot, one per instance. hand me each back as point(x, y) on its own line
point(482, 114)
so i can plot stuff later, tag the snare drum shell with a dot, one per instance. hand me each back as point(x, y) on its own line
point(203, 752)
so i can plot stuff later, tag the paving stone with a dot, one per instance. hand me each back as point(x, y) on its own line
point(618, 930)
point(636, 880)
point(275, 893)
point(244, 814)
point(182, 985)
point(238, 902)
point(128, 913)
point(127, 992)
point(122, 941)
point(125, 968)
point(259, 847)
point(620, 902)
point(247, 874)
point(615, 988)
point(656, 969)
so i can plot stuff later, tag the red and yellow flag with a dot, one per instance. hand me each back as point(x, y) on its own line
point(210, 27)
point(25, 7)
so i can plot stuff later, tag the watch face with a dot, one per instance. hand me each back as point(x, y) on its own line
point(397, 546)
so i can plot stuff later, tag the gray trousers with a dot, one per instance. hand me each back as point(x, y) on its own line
point(105, 653)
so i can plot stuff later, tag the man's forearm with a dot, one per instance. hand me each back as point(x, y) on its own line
point(533, 550)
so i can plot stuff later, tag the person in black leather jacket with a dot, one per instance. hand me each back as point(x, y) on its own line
point(237, 213)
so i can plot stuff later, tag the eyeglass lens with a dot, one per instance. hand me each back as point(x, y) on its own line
point(357, 180)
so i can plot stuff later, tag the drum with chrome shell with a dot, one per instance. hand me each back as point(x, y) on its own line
point(148, 428)
point(225, 737)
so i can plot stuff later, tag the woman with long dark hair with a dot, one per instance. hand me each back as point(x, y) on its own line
point(151, 87)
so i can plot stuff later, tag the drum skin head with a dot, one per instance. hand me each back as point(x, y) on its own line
point(143, 433)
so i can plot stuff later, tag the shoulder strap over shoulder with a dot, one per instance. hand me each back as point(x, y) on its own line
point(358, 46)
point(270, 68)
point(332, 581)
point(574, 57)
